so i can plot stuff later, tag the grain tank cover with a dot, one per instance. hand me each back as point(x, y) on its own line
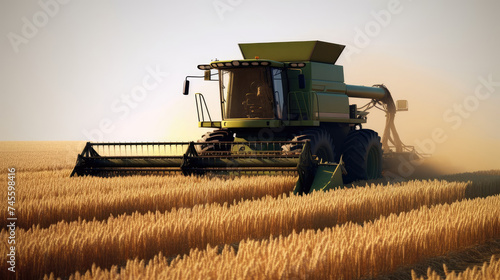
point(317, 51)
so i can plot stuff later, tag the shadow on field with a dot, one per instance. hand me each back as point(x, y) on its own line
point(482, 183)
point(457, 261)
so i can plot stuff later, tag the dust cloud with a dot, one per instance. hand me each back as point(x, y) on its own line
point(444, 150)
point(452, 123)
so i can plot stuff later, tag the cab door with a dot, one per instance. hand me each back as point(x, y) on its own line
point(279, 95)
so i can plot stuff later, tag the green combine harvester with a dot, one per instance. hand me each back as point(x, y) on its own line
point(285, 108)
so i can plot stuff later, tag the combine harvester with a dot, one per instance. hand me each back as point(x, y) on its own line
point(290, 94)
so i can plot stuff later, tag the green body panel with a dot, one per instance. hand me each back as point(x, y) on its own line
point(294, 51)
point(316, 176)
point(261, 124)
point(324, 72)
point(250, 123)
point(328, 176)
point(332, 106)
point(293, 80)
point(302, 123)
point(326, 86)
point(216, 124)
point(319, 77)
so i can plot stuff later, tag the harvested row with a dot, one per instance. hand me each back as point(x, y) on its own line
point(143, 236)
point(453, 261)
point(57, 183)
point(488, 271)
point(350, 251)
point(97, 198)
point(483, 183)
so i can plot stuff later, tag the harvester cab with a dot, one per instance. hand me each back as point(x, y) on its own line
point(284, 108)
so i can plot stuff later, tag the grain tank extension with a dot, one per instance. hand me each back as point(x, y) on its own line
point(285, 108)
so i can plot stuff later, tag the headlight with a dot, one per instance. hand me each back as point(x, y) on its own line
point(204, 67)
point(297, 65)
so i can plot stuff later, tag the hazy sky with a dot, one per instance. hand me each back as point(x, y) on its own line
point(113, 70)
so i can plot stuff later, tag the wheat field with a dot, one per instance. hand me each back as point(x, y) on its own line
point(350, 251)
point(234, 227)
point(488, 271)
point(59, 197)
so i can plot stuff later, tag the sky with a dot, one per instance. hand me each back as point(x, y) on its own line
point(114, 70)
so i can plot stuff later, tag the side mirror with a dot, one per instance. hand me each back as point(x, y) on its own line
point(402, 105)
point(207, 76)
point(302, 81)
point(186, 87)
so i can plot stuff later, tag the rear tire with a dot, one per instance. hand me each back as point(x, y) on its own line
point(362, 155)
point(212, 138)
point(321, 144)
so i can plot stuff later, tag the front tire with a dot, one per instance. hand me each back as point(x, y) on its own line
point(362, 155)
point(321, 144)
point(212, 139)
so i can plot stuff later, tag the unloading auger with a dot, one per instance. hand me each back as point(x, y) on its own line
point(290, 91)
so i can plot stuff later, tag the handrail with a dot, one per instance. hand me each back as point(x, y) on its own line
point(298, 105)
point(316, 116)
point(304, 100)
point(200, 104)
point(306, 96)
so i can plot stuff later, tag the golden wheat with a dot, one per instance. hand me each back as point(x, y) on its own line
point(488, 271)
point(350, 251)
point(483, 183)
point(39, 155)
point(129, 236)
point(70, 199)
point(46, 196)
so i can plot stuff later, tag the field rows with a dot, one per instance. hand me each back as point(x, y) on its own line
point(58, 197)
point(350, 251)
point(88, 198)
point(142, 236)
point(39, 156)
point(457, 260)
point(488, 271)
point(139, 227)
